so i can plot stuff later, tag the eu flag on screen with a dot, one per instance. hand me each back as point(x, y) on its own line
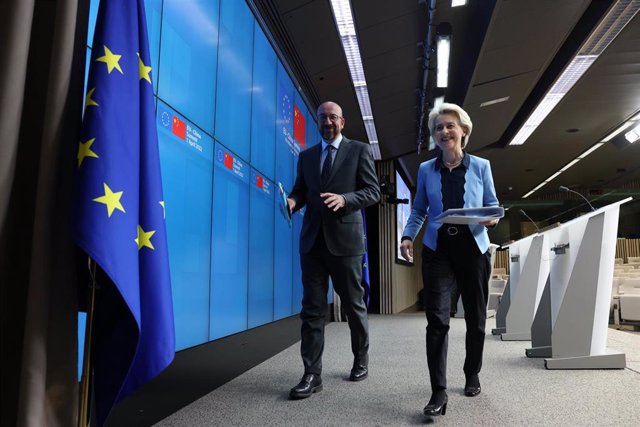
point(119, 209)
point(365, 263)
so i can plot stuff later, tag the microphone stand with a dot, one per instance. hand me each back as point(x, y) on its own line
point(568, 190)
point(532, 221)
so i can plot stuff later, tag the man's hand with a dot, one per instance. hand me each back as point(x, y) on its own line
point(406, 250)
point(489, 223)
point(334, 201)
point(291, 203)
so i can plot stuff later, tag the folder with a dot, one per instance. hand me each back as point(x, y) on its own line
point(284, 206)
point(470, 215)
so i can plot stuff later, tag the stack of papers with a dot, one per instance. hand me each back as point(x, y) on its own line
point(469, 215)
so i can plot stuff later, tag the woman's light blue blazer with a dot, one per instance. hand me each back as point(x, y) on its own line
point(478, 192)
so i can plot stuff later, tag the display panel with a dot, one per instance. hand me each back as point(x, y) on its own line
point(261, 217)
point(186, 156)
point(91, 29)
point(235, 68)
point(229, 244)
point(283, 266)
point(403, 210)
point(263, 102)
point(153, 10)
point(284, 130)
point(188, 59)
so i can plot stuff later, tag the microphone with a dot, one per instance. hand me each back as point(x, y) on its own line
point(532, 221)
point(568, 190)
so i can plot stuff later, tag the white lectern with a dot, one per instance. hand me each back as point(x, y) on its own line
point(517, 252)
point(503, 309)
point(579, 289)
point(527, 289)
point(557, 256)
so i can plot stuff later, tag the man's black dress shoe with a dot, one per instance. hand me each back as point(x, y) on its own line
point(309, 384)
point(472, 386)
point(437, 404)
point(358, 373)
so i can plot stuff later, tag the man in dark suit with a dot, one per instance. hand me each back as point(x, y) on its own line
point(335, 180)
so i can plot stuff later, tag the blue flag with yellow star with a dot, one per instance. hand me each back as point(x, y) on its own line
point(119, 209)
point(366, 283)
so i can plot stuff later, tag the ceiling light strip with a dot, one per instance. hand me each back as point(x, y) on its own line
point(564, 168)
point(443, 50)
point(606, 31)
point(348, 38)
point(617, 131)
point(633, 135)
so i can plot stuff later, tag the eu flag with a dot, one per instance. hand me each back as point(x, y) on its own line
point(119, 209)
point(366, 283)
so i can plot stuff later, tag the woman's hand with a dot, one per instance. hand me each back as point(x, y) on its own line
point(406, 250)
point(489, 223)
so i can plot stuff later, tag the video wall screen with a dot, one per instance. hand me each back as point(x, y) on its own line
point(403, 210)
point(231, 125)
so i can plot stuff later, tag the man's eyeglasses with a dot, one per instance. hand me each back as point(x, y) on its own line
point(333, 117)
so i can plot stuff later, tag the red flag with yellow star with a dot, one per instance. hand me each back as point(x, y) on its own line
point(299, 128)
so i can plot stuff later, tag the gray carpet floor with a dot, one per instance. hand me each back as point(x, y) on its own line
point(516, 390)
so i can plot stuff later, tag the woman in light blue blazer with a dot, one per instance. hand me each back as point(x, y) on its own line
point(452, 253)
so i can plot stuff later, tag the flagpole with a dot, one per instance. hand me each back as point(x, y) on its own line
point(83, 418)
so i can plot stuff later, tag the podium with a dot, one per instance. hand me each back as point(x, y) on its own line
point(525, 290)
point(571, 323)
point(558, 275)
point(517, 250)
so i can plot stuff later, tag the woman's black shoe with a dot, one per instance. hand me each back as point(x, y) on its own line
point(472, 386)
point(437, 404)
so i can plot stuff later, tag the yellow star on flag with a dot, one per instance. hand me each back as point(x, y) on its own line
point(111, 60)
point(84, 150)
point(110, 199)
point(164, 212)
point(88, 102)
point(144, 238)
point(144, 70)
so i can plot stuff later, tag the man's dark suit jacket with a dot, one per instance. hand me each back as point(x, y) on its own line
point(353, 175)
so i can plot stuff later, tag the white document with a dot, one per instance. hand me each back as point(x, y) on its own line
point(470, 215)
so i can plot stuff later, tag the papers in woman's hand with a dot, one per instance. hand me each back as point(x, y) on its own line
point(470, 215)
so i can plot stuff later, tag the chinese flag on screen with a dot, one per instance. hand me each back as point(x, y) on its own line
point(228, 161)
point(259, 183)
point(299, 126)
point(179, 128)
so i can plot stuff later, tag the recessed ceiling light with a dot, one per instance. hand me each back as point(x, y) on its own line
point(494, 101)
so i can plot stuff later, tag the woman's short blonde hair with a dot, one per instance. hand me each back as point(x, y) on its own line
point(463, 118)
